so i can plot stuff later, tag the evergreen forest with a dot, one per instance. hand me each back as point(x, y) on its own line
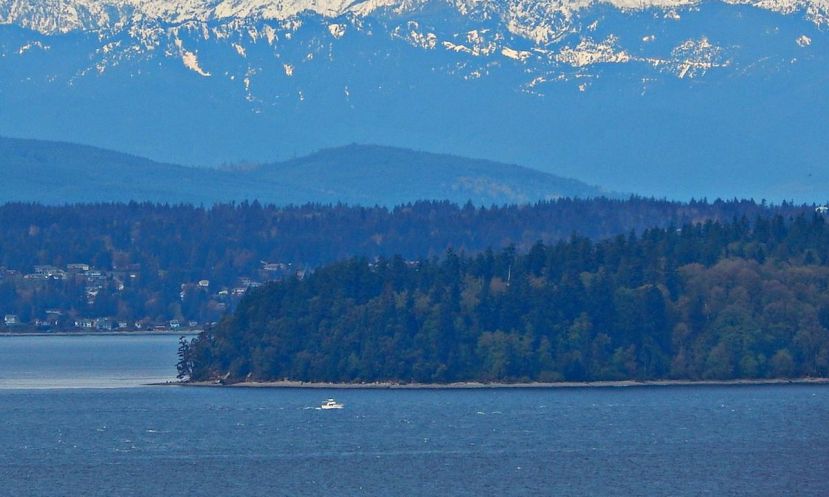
point(746, 298)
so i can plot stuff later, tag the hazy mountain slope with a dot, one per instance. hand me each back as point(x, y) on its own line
point(56, 172)
point(362, 174)
point(53, 172)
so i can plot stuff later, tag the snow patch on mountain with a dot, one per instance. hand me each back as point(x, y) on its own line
point(511, 53)
point(190, 60)
point(803, 41)
point(693, 58)
point(32, 45)
point(414, 35)
point(589, 52)
point(816, 10)
point(336, 30)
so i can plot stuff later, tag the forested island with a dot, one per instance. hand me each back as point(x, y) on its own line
point(135, 265)
point(747, 298)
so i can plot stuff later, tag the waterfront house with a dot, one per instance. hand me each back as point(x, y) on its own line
point(104, 324)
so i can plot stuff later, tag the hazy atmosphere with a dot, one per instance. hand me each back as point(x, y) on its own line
point(414, 248)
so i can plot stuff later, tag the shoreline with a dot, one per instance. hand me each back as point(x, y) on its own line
point(96, 333)
point(481, 386)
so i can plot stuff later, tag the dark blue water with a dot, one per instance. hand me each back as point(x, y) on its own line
point(174, 441)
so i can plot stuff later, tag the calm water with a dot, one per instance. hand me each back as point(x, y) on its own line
point(86, 361)
point(170, 441)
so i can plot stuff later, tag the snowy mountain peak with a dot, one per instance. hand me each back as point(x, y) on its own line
point(51, 16)
point(538, 20)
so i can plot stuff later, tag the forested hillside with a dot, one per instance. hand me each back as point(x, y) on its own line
point(713, 300)
point(158, 263)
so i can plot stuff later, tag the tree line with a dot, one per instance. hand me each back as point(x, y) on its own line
point(152, 255)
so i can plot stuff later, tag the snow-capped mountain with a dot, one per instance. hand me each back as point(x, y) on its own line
point(539, 21)
point(558, 32)
point(630, 94)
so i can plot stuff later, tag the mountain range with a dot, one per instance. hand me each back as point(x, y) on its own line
point(676, 98)
point(56, 173)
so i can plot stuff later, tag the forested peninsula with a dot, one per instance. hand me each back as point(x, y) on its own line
point(746, 299)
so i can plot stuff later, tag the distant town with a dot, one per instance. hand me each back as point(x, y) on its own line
point(72, 297)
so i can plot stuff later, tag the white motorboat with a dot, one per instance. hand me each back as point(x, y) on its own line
point(331, 404)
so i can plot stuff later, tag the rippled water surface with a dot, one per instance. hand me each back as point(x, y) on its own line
point(173, 441)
